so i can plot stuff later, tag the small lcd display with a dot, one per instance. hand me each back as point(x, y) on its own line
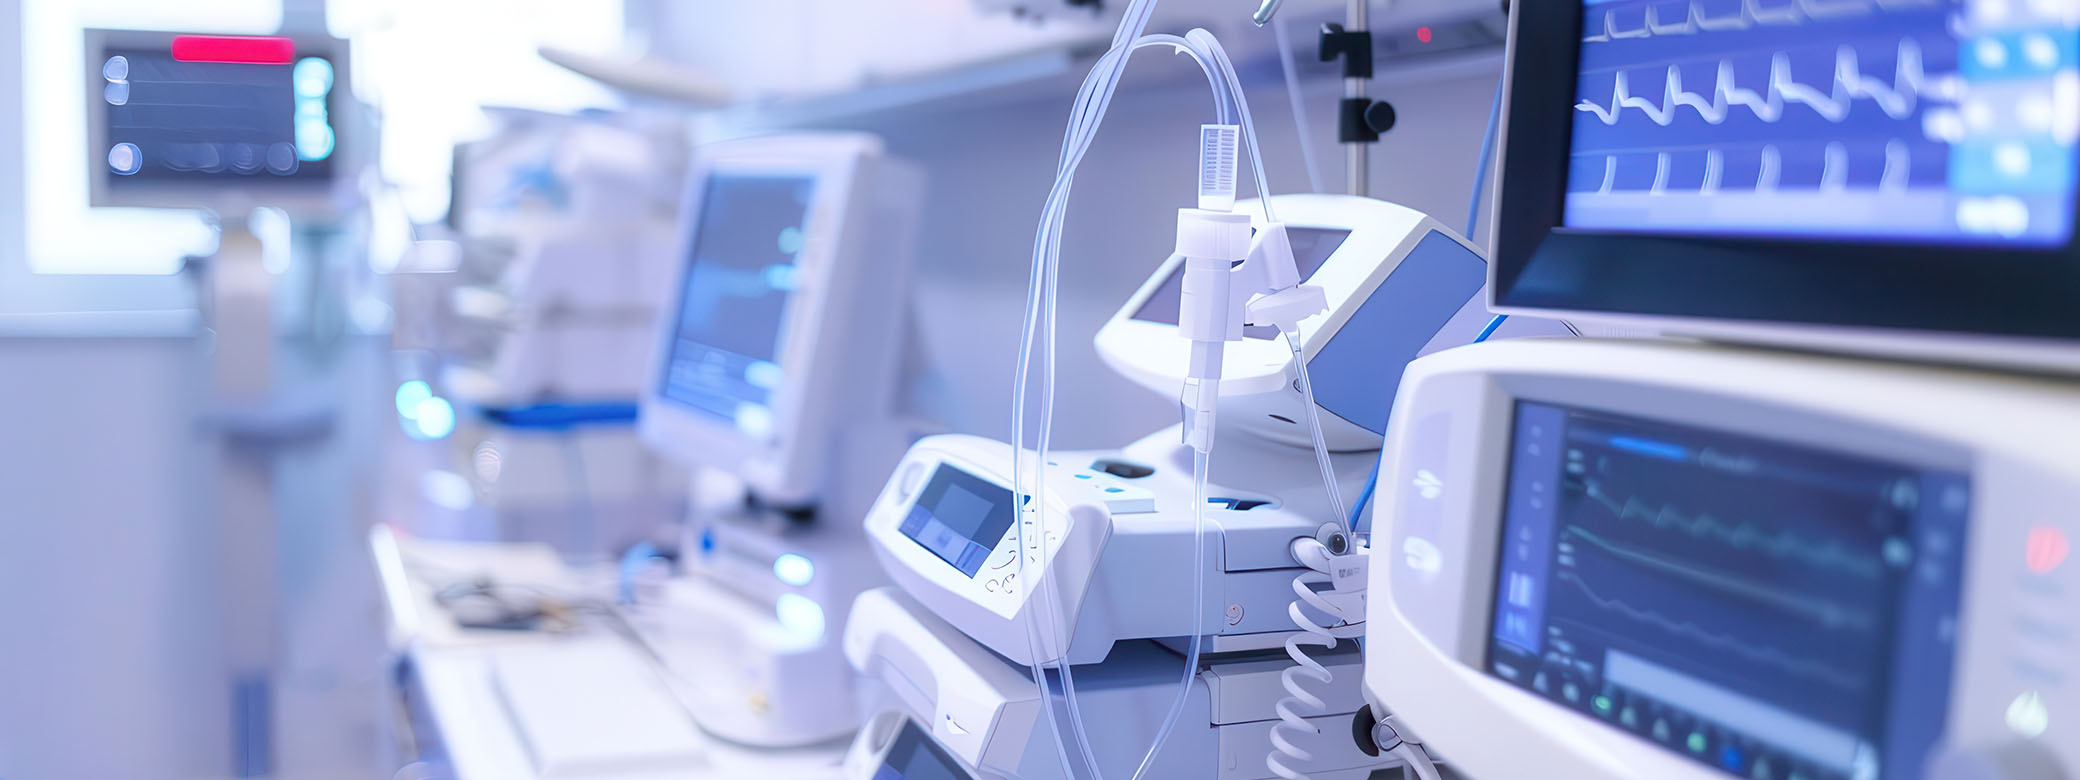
point(248, 123)
point(960, 517)
point(740, 275)
point(1311, 248)
point(1768, 609)
point(914, 756)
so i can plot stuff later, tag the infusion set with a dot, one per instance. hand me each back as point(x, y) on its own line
point(1715, 557)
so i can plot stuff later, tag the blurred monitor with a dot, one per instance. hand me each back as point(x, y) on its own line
point(787, 312)
point(1890, 176)
point(214, 121)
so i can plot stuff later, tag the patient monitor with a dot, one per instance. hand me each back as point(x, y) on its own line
point(1668, 561)
point(789, 307)
point(775, 377)
point(1672, 561)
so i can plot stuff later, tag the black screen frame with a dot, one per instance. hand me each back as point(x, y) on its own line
point(1902, 285)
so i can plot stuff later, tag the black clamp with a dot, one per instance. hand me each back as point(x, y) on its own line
point(1359, 120)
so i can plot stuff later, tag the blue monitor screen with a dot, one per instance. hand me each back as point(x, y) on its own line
point(1765, 608)
point(960, 517)
point(1855, 120)
point(740, 271)
point(913, 756)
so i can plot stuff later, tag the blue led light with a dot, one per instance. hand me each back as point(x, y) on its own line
point(409, 396)
point(435, 418)
point(799, 615)
point(794, 570)
point(312, 77)
point(314, 140)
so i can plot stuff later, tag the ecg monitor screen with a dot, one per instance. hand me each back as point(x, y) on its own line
point(246, 111)
point(1907, 120)
point(1768, 609)
point(913, 756)
point(1311, 248)
point(740, 272)
point(960, 517)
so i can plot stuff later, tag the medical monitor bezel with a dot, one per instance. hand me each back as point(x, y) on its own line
point(789, 467)
point(1455, 421)
point(1969, 302)
point(228, 197)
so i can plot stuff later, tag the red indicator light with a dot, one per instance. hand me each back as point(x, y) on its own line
point(1423, 33)
point(2046, 549)
point(245, 50)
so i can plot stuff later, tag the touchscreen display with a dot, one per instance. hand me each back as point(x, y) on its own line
point(1772, 610)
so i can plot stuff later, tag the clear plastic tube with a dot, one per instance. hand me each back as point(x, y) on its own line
point(1099, 87)
point(1314, 431)
point(1191, 654)
point(1093, 101)
point(1213, 48)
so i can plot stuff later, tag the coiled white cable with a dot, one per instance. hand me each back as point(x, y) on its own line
point(1287, 750)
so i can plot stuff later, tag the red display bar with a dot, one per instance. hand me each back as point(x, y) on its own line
point(240, 49)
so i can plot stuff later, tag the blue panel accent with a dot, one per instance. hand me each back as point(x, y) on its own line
point(563, 416)
point(1651, 448)
point(1357, 373)
point(253, 719)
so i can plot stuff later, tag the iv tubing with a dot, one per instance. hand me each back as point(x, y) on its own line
point(1093, 101)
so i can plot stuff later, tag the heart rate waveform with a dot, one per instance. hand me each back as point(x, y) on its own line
point(1759, 654)
point(1745, 536)
point(1751, 14)
point(1897, 99)
point(1798, 604)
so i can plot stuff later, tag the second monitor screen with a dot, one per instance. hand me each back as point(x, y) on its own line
point(725, 356)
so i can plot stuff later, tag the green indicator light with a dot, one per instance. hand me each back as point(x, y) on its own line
point(1696, 742)
point(1603, 705)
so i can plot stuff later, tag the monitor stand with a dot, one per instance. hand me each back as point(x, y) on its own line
point(253, 422)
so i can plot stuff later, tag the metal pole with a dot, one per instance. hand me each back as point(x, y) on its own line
point(1356, 158)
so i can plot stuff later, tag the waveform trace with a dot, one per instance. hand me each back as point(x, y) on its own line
point(1766, 655)
point(1750, 15)
point(1897, 100)
point(1742, 536)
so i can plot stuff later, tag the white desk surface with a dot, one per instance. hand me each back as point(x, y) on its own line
point(458, 672)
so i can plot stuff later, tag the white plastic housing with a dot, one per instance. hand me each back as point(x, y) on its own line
point(1439, 508)
point(1259, 391)
point(1121, 561)
point(984, 713)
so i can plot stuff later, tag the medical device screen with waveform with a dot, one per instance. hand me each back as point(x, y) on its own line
point(249, 111)
point(1769, 609)
point(724, 354)
point(1856, 120)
